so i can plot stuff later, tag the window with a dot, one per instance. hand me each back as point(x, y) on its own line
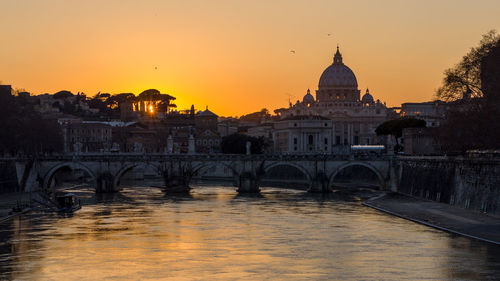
point(294, 140)
point(310, 140)
point(326, 140)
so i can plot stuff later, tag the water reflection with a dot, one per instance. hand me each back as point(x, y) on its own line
point(214, 233)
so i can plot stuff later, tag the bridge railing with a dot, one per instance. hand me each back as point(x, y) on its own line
point(206, 157)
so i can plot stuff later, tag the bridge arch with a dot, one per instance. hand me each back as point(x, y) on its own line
point(231, 166)
point(47, 179)
point(303, 170)
point(126, 168)
point(372, 168)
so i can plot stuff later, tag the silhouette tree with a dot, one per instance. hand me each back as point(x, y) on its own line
point(23, 130)
point(63, 94)
point(256, 117)
point(464, 79)
point(473, 123)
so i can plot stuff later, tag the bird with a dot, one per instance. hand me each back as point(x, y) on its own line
point(156, 67)
point(329, 34)
point(292, 51)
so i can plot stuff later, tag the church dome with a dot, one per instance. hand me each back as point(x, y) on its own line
point(338, 74)
point(308, 98)
point(367, 98)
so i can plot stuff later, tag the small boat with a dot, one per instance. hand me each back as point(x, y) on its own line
point(67, 203)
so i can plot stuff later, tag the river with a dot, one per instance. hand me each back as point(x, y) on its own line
point(216, 234)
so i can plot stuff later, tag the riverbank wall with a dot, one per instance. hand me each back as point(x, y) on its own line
point(469, 183)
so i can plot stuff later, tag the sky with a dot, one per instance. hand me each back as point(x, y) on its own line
point(235, 56)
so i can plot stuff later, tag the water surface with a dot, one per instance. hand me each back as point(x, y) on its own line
point(216, 234)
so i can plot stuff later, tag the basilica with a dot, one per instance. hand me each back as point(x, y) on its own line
point(334, 120)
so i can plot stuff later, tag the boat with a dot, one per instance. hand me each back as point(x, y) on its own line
point(67, 203)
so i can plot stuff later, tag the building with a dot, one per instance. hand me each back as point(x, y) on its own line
point(86, 136)
point(6, 90)
point(207, 137)
point(263, 130)
point(352, 120)
point(420, 141)
point(303, 134)
point(432, 112)
point(227, 126)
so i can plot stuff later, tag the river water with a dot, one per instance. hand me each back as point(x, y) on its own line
point(216, 234)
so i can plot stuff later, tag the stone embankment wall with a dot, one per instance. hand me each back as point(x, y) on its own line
point(471, 183)
point(8, 176)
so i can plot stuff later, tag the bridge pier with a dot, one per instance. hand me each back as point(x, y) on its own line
point(320, 184)
point(176, 184)
point(248, 183)
point(105, 183)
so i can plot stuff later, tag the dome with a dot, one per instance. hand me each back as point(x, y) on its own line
point(367, 98)
point(308, 98)
point(338, 74)
point(206, 113)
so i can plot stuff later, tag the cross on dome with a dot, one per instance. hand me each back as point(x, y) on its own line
point(337, 59)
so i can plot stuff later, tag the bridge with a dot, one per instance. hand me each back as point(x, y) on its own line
point(177, 170)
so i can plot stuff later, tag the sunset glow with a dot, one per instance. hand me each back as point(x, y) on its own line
point(221, 53)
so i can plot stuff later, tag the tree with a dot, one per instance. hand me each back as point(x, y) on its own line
point(115, 100)
point(63, 94)
point(153, 95)
point(395, 128)
point(473, 124)
point(464, 79)
point(256, 117)
point(236, 144)
point(23, 130)
point(490, 76)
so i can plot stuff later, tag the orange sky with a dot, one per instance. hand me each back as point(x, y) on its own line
point(234, 56)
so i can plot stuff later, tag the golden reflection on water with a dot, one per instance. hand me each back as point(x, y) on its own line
point(216, 234)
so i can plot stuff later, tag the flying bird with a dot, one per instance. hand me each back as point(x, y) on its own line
point(329, 34)
point(292, 51)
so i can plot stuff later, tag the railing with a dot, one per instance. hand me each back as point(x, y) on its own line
point(207, 157)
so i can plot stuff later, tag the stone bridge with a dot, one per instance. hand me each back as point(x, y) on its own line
point(177, 170)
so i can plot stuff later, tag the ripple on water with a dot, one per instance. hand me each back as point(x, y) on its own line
point(216, 234)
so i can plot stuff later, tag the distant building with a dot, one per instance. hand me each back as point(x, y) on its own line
point(303, 134)
point(6, 90)
point(83, 136)
point(140, 138)
point(432, 112)
point(227, 127)
point(353, 120)
point(207, 136)
point(420, 141)
point(264, 130)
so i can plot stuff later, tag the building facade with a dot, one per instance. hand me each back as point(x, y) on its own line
point(303, 134)
point(352, 120)
point(433, 112)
